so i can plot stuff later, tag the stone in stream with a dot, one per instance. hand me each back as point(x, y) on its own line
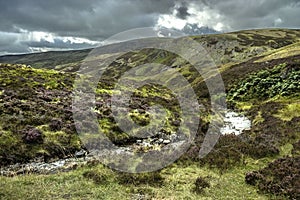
point(81, 153)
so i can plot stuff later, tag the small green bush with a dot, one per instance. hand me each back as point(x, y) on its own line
point(282, 80)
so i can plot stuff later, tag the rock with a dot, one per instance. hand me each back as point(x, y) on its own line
point(81, 153)
point(173, 137)
point(160, 140)
point(166, 141)
point(146, 144)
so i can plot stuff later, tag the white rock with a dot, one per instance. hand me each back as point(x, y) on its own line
point(167, 141)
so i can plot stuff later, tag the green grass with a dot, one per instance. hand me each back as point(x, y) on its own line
point(284, 52)
point(99, 182)
point(291, 110)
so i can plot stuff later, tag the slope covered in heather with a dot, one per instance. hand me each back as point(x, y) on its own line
point(261, 73)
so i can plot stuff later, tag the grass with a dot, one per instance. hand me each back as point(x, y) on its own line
point(284, 52)
point(258, 118)
point(178, 183)
point(291, 110)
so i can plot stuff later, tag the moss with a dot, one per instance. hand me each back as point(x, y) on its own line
point(105, 125)
point(289, 111)
point(103, 91)
point(244, 106)
point(286, 150)
point(139, 118)
point(258, 118)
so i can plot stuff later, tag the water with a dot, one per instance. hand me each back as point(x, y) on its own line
point(235, 123)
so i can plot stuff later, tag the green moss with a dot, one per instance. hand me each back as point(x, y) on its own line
point(103, 91)
point(139, 118)
point(8, 142)
point(105, 125)
point(258, 118)
point(244, 105)
point(289, 111)
point(286, 150)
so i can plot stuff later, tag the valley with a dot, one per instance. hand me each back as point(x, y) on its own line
point(260, 70)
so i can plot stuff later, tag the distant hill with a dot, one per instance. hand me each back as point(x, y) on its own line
point(47, 59)
point(224, 48)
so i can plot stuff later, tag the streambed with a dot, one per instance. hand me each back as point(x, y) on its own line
point(234, 123)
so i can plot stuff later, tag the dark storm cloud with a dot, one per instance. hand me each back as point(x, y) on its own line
point(97, 20)
point(92, 19)
point(9, 44)
point(182, 11)
point(83, 18)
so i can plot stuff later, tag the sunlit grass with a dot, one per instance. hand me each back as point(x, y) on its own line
point(104, 183)
point(290, 111)
point(284, 52)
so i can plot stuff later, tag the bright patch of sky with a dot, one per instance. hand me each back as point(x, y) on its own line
point(39, 36)
point(201, 16)
point(33, 41)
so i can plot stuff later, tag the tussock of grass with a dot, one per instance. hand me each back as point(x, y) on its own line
point(290, 111)
point(258, 118)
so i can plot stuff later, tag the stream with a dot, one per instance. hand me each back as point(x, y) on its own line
point(234, 123)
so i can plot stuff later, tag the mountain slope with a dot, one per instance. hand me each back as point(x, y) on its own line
point(223, 48)
point(261, 73)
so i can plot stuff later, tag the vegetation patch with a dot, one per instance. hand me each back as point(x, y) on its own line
point(200, 184)
point(281, 80)
point(281, 177)
point(260, 69)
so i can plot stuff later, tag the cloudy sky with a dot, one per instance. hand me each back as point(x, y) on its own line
point(42, 25)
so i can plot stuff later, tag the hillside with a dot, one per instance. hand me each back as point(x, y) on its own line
point(224, 48)
point(261, 73)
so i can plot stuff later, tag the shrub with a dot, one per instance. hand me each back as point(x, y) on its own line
point(32, 135)
point(200, 184)
point(227, 153)
point(55, 125)
point(152, 178)
point(267, 84)
point(296, 148)
point(281, 177)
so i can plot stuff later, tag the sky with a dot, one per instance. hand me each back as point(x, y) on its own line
point(42, 25)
